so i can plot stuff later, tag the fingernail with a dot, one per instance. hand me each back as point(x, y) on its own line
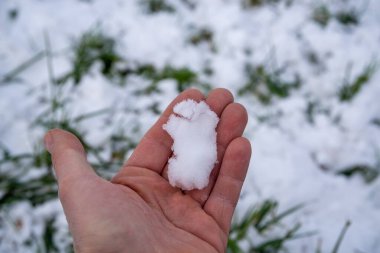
point(48, 141)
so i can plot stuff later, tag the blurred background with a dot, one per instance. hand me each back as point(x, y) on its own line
point(306, 70)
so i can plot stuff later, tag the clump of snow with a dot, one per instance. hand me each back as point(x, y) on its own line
point(192, 127)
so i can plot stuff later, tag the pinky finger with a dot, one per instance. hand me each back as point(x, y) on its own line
point(225, 194)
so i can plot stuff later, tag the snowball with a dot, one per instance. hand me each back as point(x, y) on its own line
point(192, 127)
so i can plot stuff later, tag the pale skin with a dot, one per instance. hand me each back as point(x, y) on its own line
point(138, 210)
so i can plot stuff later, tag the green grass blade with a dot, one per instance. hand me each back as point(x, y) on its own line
point(341, 236)
point(11, 75)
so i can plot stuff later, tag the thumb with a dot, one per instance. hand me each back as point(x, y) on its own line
point(68, 156)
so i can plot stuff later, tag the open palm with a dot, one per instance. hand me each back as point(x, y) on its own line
point(139, 211)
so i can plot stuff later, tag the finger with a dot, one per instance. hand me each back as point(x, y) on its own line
point(155, 147)
point(218, 99)
point(69, 162)
point(225, 194)
point(231, 125)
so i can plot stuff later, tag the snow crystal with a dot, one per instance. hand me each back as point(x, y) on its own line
point(192, 127)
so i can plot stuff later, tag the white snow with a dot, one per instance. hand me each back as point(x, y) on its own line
point(192, 127)
point(288, 150)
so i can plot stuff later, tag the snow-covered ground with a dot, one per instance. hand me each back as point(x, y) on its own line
point(299, 142)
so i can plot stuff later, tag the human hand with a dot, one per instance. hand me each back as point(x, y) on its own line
point(138, 210)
